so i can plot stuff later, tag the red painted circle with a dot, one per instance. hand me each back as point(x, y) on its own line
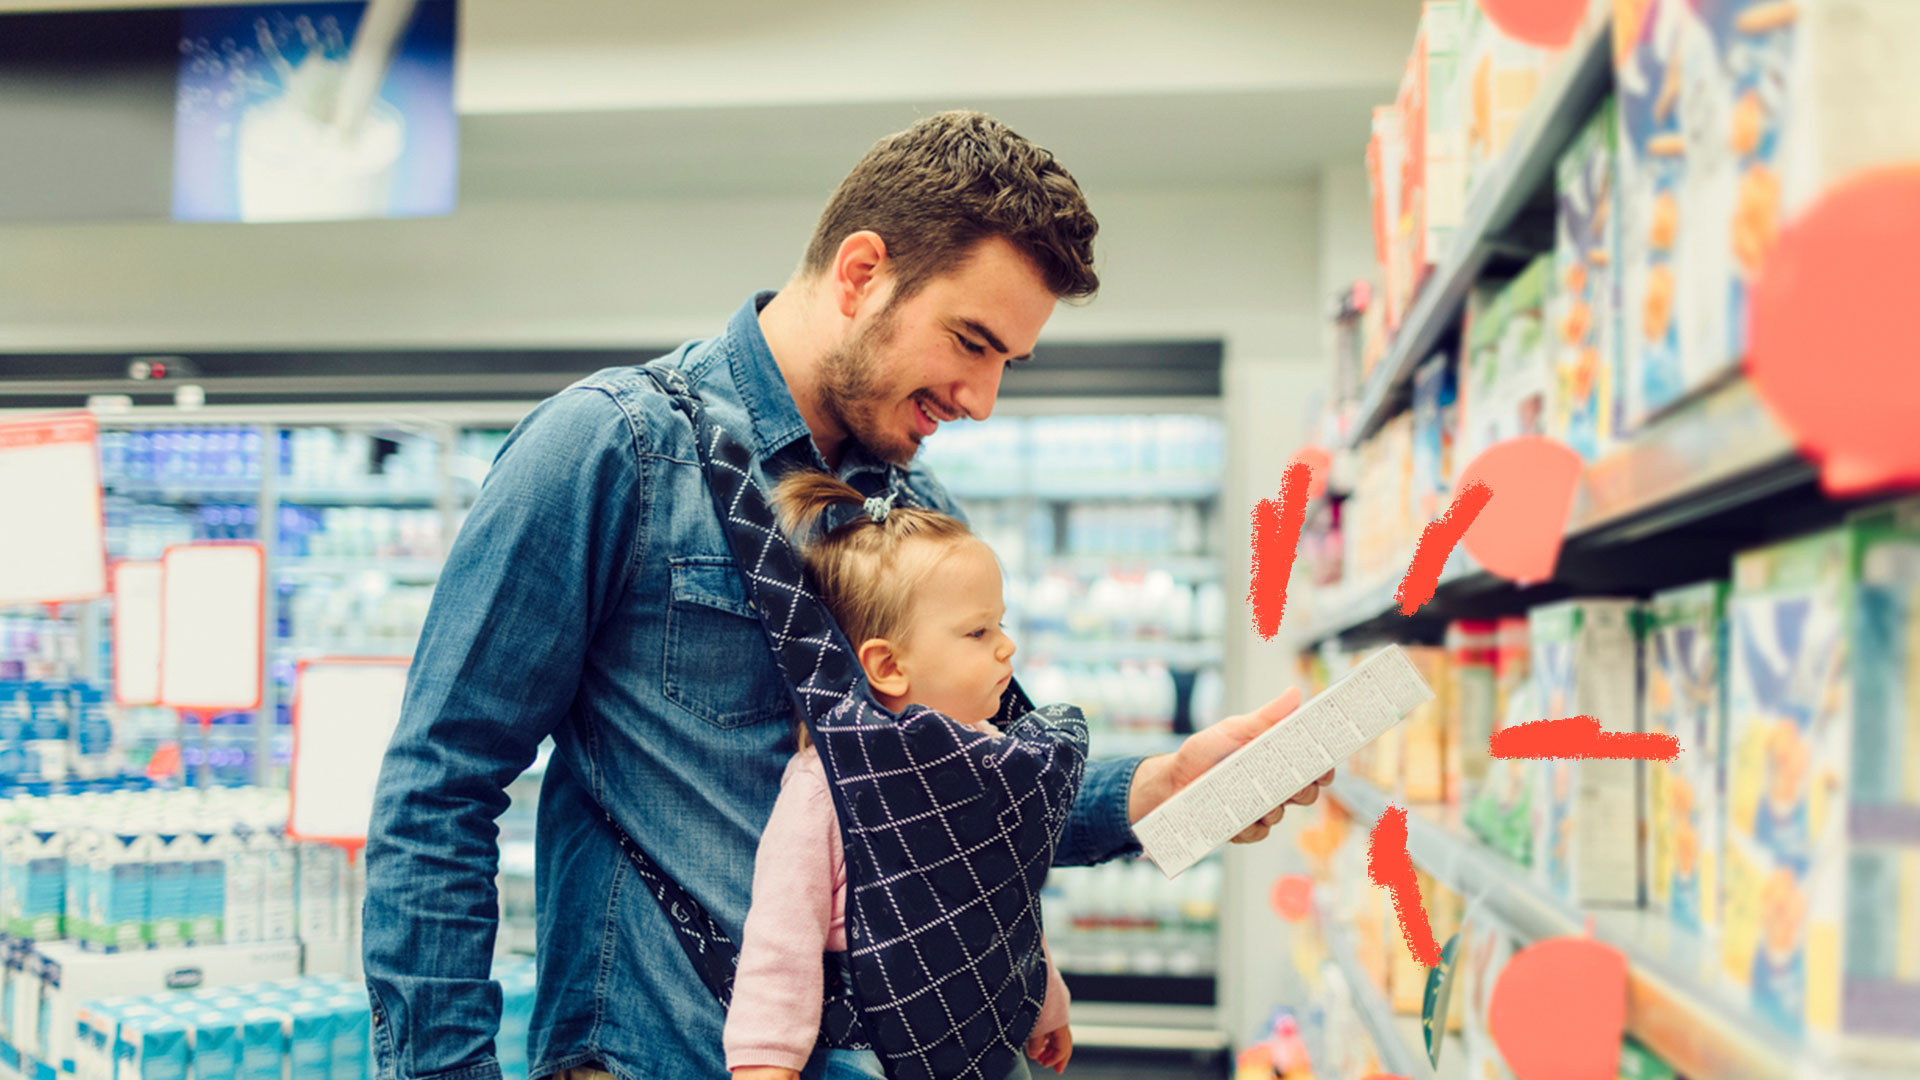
point(1292, 897)
point(1835, 347)
point(1547, 23)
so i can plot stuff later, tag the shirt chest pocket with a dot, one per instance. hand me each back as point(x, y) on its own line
point(718, 664)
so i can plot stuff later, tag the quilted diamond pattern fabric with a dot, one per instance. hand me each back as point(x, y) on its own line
point(948, 831)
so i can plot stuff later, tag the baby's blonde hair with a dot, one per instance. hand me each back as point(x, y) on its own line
point(858, 569)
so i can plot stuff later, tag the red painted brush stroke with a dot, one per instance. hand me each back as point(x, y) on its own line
point(1436, 543)
point(1580, 737)
point(1389, 867)
point(1276, 538)
point(1549, 24)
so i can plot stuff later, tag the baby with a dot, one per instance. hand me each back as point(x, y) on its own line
point(918, 596)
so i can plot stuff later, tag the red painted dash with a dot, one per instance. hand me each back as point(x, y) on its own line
point(1276, 538)
point(1580, 737)
point(1390, 867)
point(1437, 541)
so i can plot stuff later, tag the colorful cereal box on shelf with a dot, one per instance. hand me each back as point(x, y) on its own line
point(1384, 150)
point(1821, 885)
point(1683, 696)
point(1482, 955)
point(1798, 95)
point(1586, 843)
point(1581, 308)
point(1500, 813)
point(1431, 179)
point(1434, 417)
point(1471, 694)
point(1657, 45)
point(1497, 79)
point(1507, 375)
point(1423, 773)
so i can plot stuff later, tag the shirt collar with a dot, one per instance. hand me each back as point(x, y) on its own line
point(779, 431)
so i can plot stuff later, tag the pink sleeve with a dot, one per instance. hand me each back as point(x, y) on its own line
point(775, 1016)
point(1053, 1011)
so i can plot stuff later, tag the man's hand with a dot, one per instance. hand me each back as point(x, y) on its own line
point(1159, 777)
point(764, 1072)
point(1052, 1049)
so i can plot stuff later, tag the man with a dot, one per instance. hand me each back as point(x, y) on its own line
point(591, 596)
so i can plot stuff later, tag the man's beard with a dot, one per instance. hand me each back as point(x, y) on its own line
point(851, 398)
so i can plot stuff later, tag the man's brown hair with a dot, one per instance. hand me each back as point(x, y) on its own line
point(956, 178)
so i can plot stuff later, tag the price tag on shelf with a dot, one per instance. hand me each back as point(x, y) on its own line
point(212, 626)
point(136, 633)
point(344, 713)
point(53, 549)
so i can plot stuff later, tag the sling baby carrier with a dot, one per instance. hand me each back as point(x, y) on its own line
point(948, 832)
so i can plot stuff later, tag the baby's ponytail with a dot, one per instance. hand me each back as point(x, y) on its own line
point(804, 495)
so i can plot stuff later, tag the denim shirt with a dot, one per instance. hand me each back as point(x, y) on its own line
point(591, 597)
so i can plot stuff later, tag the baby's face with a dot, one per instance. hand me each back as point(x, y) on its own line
point(955, 654)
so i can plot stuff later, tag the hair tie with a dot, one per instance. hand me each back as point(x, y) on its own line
point(840, 515)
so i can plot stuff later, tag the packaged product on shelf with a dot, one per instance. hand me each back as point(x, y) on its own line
point(1501, 812)
point(1507, 378)
point(1639, 1063)
point(1683, 696)
point(1580, 308)
point(1819, 887)
point(1497, 79)
point(1586, 838)
point(1423, 737)
point(1384, 149)
point(1471, 690)
point(1434, 420)
point(117, 895)
point(169, 885)
point(1482, 955)
point(1776, 101)
point(1431, 182)
point(33, 864)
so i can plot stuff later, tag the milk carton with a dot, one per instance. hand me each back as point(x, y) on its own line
point(208, 849)
point(120, 890)
point(169, 910)
point(151, 1046)
point(217, 1047)
point(323, 873)
point(244, 882)
point(263, 1042)
point(309, 1026)
point(36, 878)
point(352, 1035)
point(279, 886)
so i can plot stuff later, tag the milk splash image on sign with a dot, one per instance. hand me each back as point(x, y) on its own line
point(269, 127)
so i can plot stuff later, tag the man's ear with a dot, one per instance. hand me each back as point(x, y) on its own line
point(882, 664)
point(860, 274)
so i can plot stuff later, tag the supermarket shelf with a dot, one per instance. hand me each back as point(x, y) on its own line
point(1567, 98)
point(1184, 567)
point(1716, 452)
point(1677, 1003)
point(1116, 488)
point(399, 569)
point(184, 491)
point(1147, 1027)
point(1397, 1055)
point(316, 495)
point(1175, 654)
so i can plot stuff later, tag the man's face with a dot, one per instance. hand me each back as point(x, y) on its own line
point(938, 355)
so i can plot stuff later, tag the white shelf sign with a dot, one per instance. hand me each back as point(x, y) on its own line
point(136, 633)
point(52, 542)
point(344, 713)
point(212, 626)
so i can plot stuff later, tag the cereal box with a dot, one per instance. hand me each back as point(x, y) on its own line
point(1384, 149)
point(1683, 696)
point(1821, 884)
point(1798, 95)
point(1586, 843)
point(1430, 186)
point(1500, 813)
point(1434, 418)
point(1496, 81)
point(1423, 735)
point(1507, 377)
point(1470, 692)
point(1483, 953)
point(1581, 310)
